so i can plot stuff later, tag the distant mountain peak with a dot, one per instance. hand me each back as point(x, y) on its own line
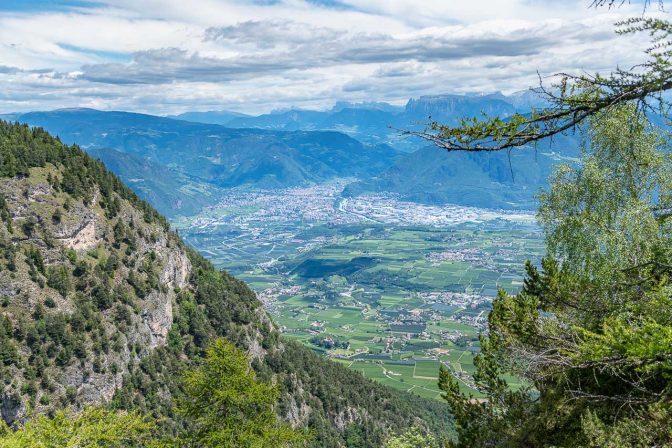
point(76, 109)
point(368, 105)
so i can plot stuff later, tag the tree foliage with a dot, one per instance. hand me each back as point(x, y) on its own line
point(92, 428)
point(590, 333)
point(226, 405)
point(413, 438)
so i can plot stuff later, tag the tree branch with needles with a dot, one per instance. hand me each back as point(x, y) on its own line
point(571, 100)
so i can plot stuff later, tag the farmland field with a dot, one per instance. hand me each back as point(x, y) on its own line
point(392, 298)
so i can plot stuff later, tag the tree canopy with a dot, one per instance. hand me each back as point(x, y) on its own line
point(413, 438)
point(226, 405)
point(589, 336)
point(92, 428)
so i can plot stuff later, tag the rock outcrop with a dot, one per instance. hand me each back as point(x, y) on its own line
point(67, 235)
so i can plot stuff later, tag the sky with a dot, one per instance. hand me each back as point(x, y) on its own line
point(254, 56)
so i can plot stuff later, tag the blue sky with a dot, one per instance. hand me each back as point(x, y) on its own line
point(43, 5)
point(169, 56)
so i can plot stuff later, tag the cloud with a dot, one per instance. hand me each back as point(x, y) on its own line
point(265, 48)
point(168, 56)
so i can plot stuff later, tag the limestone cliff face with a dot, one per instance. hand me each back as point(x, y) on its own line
point(132, 269)
point(174, 274)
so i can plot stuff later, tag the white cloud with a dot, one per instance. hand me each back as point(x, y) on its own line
point(168, 56)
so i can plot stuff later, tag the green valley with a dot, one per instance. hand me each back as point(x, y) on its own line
point(335, 224)
point(389, 288)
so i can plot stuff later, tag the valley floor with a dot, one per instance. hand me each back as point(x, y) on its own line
point(390, 288)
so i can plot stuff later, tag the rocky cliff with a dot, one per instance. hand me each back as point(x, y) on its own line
point(69, 258)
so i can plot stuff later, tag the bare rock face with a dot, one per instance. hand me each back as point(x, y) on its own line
point(347, 417)
point(80, 231)
point(12, 408)
point(254, 348)
point(158, 317)
point(96, 392)
point(82, 238)
point(297, 416)
point(255, 351)
point(175, 272)
point(299, 412)
point(176, 269)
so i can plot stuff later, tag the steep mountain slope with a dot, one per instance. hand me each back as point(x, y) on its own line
point(101, 303)
point(165, 188)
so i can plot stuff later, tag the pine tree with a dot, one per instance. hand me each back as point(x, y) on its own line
point(227, 406)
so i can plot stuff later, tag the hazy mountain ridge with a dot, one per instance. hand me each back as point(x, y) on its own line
point(374, 122)
point(210, 117)
point(212, 156)
point(182, 166)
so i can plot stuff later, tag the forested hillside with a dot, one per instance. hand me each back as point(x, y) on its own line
point(489, 180)
point(100, 303)
point(165, 188)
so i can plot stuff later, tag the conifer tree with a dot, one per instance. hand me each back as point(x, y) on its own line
point(226, 405)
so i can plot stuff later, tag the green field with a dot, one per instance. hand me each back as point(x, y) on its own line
point(393, 302)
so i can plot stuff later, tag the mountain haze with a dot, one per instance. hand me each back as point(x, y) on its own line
point(182, 166)
point(489, 180)
point(207, 156)
point(209, 117)
point(382, 122)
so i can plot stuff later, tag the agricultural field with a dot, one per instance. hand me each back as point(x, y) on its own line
point(392, 299)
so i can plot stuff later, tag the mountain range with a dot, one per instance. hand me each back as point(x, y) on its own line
point(376, 122)
point(175, 161)
point(185, 163)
